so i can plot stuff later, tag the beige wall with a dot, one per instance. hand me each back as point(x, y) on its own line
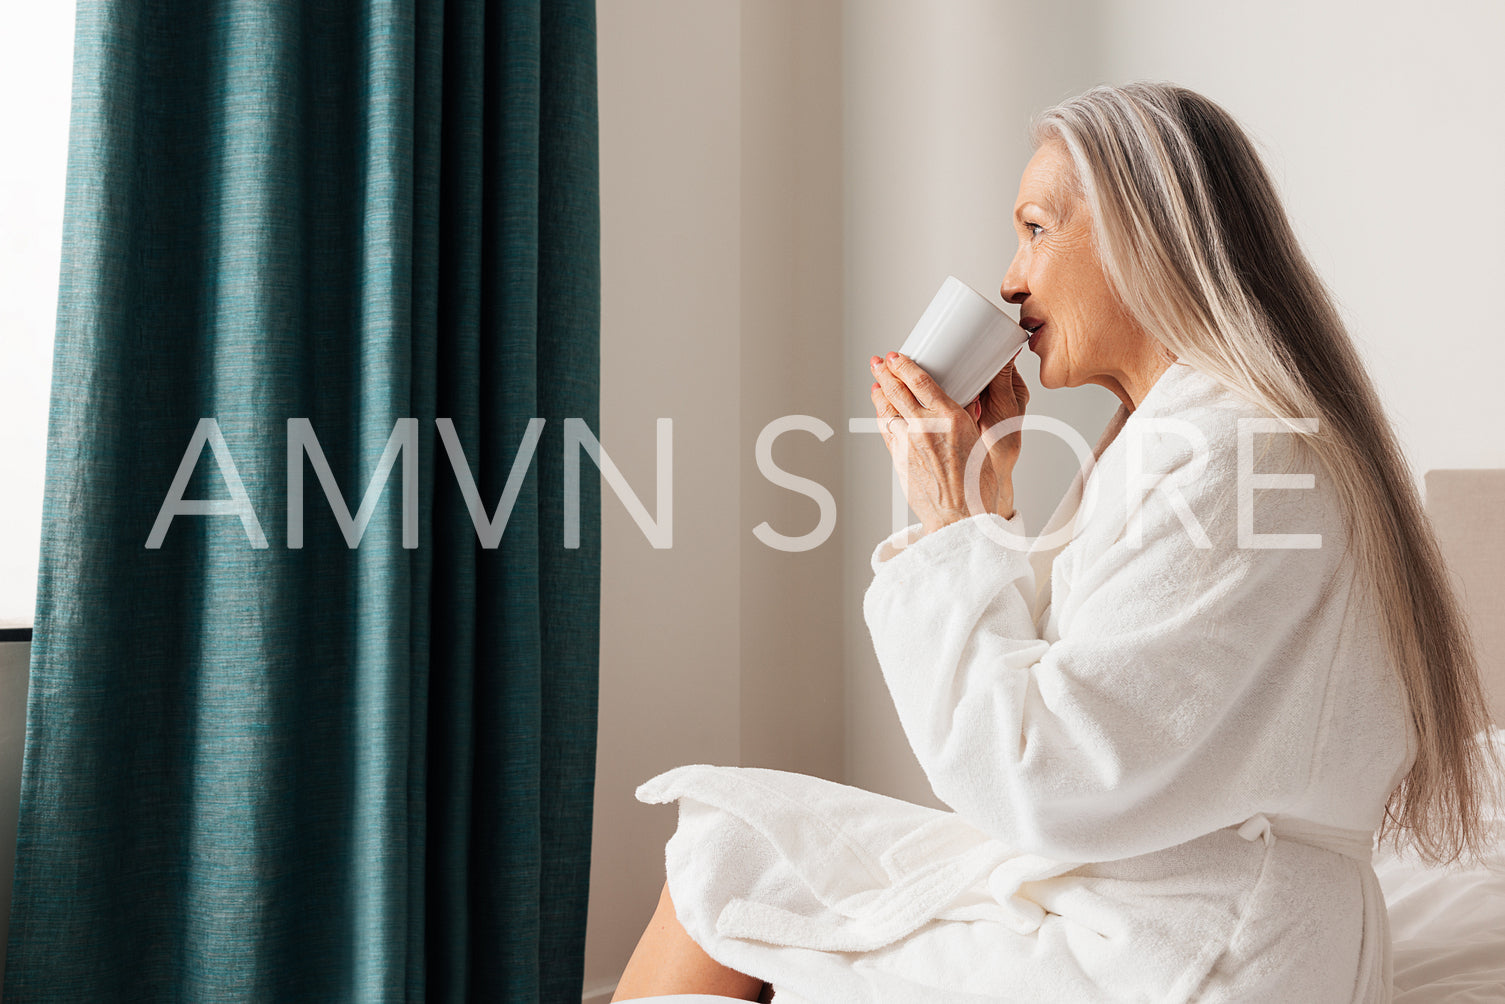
point(791, 364)
point(938, 97)
point(1382, 126)
point(721, 309)
point(670, 175)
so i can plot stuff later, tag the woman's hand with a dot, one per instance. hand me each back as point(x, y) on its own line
point(1003, 398)
point(930, 438)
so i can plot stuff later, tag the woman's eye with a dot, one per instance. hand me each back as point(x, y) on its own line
point(1034, 229)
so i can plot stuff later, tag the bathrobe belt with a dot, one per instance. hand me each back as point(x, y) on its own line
point(1376, 969)
point(1356, 844)
point(878, 917)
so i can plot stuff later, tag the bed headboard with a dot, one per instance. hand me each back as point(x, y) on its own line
point(1468, 513)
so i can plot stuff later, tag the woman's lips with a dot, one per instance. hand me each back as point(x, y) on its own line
point(1031, 325)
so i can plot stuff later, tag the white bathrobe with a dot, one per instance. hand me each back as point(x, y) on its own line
point(1167, 746)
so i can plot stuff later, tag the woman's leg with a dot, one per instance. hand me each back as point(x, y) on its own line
point(667, 961)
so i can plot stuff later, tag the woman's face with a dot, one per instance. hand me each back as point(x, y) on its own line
point(1079, 329)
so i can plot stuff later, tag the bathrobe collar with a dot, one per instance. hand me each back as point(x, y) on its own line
point(1179, 386)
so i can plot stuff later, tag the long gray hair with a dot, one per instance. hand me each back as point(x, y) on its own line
point(1195, 243)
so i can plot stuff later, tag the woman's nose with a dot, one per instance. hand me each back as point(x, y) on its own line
point(1014, 289)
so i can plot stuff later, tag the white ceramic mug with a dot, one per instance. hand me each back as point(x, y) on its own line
point(963, 340)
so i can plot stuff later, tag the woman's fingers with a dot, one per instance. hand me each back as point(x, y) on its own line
point(886, 415)
point(905, 390)
point(930, 440)
point(1006, 394)
point(918, 385)
point(1004, 400)
point(895, 390)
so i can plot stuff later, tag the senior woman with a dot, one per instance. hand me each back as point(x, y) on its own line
point(1170, 743)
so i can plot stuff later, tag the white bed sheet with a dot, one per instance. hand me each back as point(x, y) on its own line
point(1447, 924)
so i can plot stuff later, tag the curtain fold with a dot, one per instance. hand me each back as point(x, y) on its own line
point(322, 772)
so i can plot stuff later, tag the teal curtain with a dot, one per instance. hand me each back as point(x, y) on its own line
point(329, 772)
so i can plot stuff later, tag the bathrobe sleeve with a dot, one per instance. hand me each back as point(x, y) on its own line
point(1182, 694)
